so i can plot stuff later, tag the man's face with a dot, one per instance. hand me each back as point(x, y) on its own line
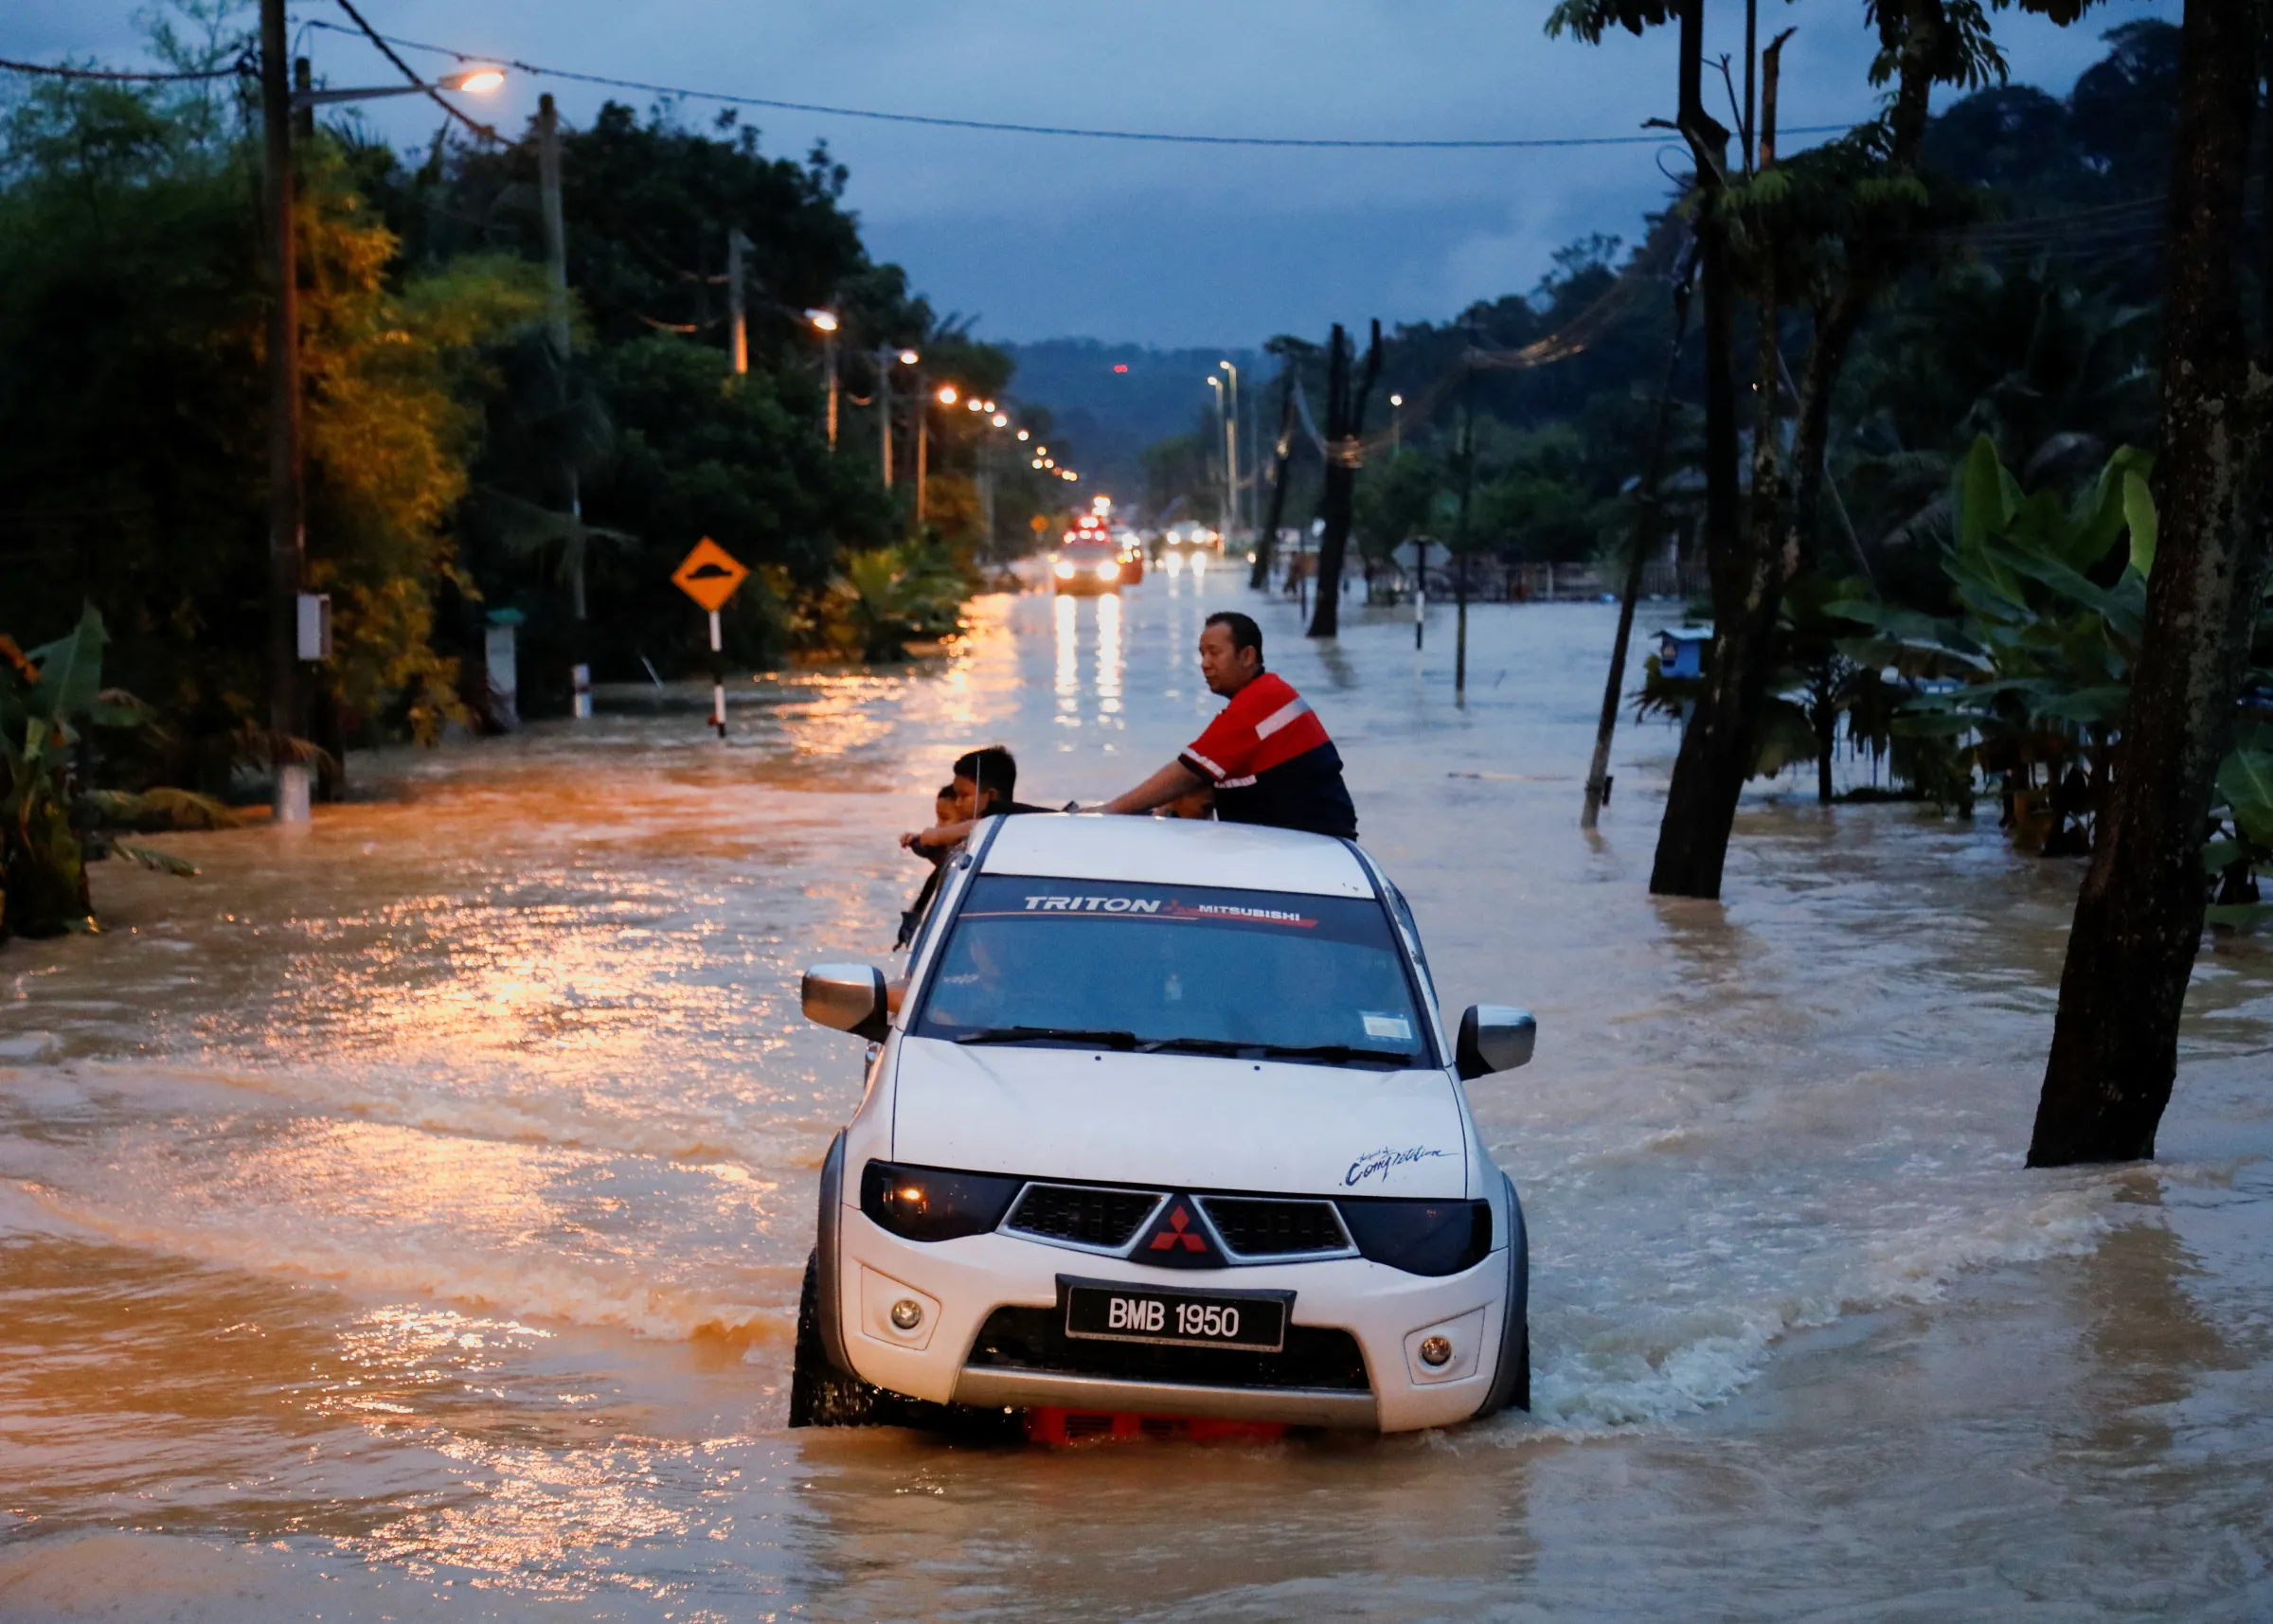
point(1225, 669)
point(966, 797)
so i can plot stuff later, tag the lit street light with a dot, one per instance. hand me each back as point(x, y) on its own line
point(475, 81)
point(1396, 423)
point(825, 323)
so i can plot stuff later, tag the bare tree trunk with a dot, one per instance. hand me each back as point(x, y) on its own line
point(1749, 568)
point(1259, 577)
point(1345, 422)
point(2138, 918)
point(1693, 839)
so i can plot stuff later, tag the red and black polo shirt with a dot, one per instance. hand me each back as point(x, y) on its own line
point(1269, 759)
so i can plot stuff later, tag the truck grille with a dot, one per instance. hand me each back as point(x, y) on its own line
point(1035, 1339)
point(1263, 1226)
point(1083, 1215)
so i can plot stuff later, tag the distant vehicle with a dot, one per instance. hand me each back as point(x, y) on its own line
point(1090, 560)
point(1166, 1126)
point(1088, 568)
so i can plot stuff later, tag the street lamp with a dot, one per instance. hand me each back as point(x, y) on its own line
point(885, 358)
point(825, 323)
point(475, 82)
point(1223, 425)
point(947, 394)
point(1231, 439)
point(1396, 423)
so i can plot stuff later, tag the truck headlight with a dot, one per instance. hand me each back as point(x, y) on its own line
point(1419, 1237)
point(932, 1203)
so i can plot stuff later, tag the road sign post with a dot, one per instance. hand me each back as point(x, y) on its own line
point(710, 574)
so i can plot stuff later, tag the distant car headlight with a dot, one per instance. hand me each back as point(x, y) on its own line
point(930, 1204)
point(1108, 571)
point(1064, 569)
point(1419, 1237)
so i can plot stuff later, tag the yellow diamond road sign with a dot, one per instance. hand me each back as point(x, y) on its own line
point(710, 574)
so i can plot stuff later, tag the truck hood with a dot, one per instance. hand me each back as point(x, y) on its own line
point(1178, 1120)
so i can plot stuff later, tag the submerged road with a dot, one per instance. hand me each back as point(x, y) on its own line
point(403, 1219)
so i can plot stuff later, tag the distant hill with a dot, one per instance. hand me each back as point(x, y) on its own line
point(1106, 418)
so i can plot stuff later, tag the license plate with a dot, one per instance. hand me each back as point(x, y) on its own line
point(1104, 1311)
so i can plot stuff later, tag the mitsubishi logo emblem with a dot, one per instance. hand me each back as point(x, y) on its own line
point(1179, 1228)
point(1180, 1240)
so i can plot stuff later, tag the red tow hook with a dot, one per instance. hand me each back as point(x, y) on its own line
point(1051, 1425)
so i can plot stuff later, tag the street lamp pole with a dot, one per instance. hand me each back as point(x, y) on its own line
point(922, 443)
point(1231, 443)
point(1224, 523)
point(825, 323)
point(287, 543)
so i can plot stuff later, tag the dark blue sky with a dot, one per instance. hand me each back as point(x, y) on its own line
point(1159, 244)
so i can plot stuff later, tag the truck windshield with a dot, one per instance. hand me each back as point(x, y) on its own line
point(1177, 969)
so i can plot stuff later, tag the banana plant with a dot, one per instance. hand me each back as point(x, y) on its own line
point(51, 697)
point(2034, 671)
point(2245, 787)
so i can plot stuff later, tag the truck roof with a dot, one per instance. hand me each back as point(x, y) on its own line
point(1171, 851)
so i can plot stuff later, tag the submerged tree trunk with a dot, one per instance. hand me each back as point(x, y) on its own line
point(2138, 918)
point(1345, 423)
point(1693, 839)
point(1259, 577)
point(1751, 566)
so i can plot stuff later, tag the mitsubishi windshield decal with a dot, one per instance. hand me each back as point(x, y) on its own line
point(1380, 1163)
point(1150, 907)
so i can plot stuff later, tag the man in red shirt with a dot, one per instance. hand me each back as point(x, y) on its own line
point(1266, 757)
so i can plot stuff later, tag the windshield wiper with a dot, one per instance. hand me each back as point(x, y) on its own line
point(1199, 1046)
point(1332, 1052)
point(1103, 1040)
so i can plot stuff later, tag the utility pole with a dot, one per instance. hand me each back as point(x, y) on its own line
point(738, 308)
point(287, 539)
point(829, 353)
point(884, 409)
point(922, 441)
point(1646, 522)
point(555, 276)
point(1231, 446)
point(1226, 519)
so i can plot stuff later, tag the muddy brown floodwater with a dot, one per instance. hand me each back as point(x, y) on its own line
point(403, 1219)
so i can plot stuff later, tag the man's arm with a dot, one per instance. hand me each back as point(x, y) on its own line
point(1164, 786)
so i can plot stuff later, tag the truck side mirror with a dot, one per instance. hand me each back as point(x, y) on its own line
point(1494, 1037)
point(849, 997)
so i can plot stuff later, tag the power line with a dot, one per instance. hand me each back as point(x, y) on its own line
point(242, 66)
point(1002, 127)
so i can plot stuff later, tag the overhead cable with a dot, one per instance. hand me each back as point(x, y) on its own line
point(1174, 138)
point(242, 65)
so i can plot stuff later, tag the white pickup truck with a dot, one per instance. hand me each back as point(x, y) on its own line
point(1167, 1125)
